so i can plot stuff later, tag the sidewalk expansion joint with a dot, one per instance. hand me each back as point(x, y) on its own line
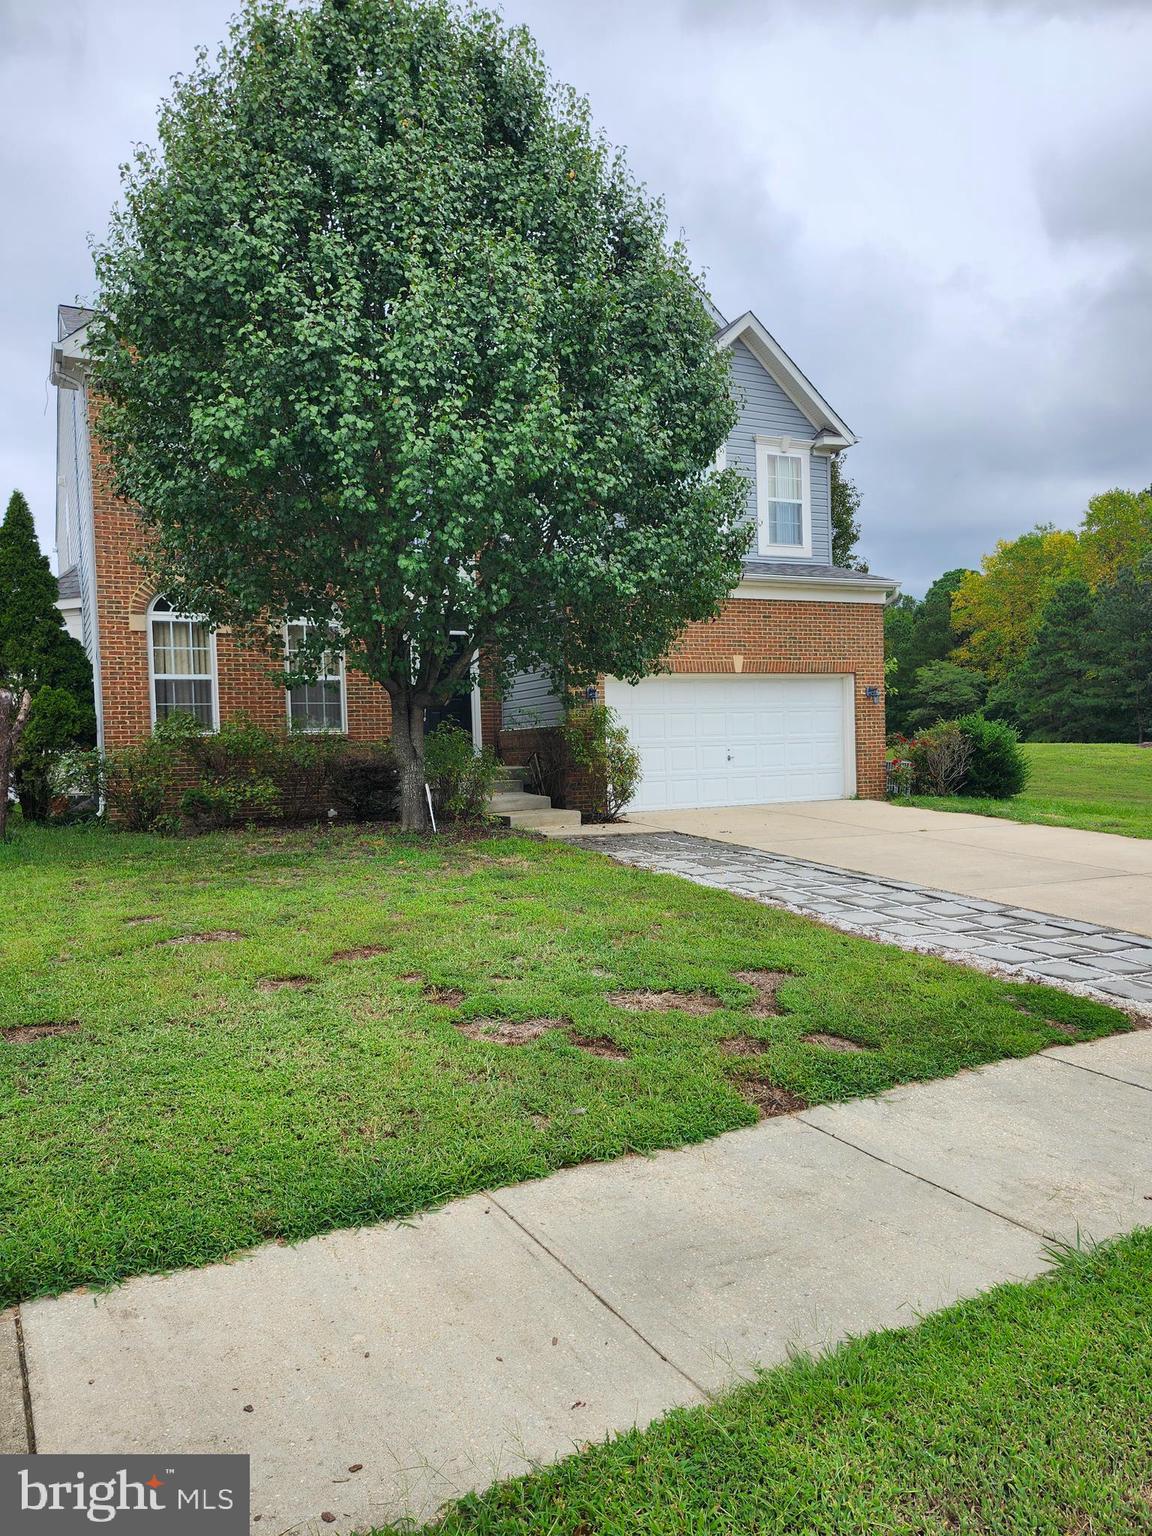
point(1062, 1061)
point(25, 1385)
point(603, 1300)
point(945, 1189)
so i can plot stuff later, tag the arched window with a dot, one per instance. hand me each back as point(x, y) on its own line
point(319, 705)
point(183, 664)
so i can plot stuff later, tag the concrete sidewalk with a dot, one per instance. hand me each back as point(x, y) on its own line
point(1096, 877)
point(373, 1374)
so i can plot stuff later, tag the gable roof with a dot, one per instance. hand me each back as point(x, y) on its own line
point(834, 432)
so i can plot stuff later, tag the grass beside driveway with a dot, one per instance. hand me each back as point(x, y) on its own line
point(1024, 1410)
point(309, 1073)
point(1097, 788)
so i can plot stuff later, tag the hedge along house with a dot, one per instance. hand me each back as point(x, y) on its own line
point(779, 698)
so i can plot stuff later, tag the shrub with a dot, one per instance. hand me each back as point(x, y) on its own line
point(58, 723)
point(940, 759)
point(997, 768)
point(365, 782)
point(77, 785)
point(460, 778)
point(140, 781)
point(598, 745)
point(184, 777)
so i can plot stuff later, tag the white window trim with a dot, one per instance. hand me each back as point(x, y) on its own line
point(800, 448)
point(192, 618)
point(318, 730)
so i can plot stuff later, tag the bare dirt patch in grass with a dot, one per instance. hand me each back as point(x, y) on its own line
point(138, 922)
point(286, 983)
point(768, 1098)
point(451, 995)
point(834, 1042)
point(412, 976)
point(361, 952)
point(1061, 1028)
point(764, 984)
point(600, 1045)
point(642, 1001)
point(18, 1034)
point(744, 1045)
point(508, 1031)
point(214, 936)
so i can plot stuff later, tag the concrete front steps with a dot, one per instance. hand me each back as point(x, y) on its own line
point(510, 804)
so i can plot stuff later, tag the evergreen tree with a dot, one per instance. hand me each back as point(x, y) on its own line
point(36, 651)
point(845, 520)
point(1124, 613)
point(1066, 687)
point(39, 659)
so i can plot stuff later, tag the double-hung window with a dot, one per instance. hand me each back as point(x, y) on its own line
point(183, 664)
point(317, 705)
point(783, 481)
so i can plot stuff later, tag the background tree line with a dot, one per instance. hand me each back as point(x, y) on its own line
point(1053, 633)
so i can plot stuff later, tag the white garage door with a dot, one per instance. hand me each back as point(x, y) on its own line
point(737, 740)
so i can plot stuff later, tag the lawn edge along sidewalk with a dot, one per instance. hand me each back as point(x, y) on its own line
point(1016, 943)
point(373, 1374)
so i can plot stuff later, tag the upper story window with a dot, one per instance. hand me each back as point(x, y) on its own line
point(318, 705)
point(783, 496)
point(182, 655)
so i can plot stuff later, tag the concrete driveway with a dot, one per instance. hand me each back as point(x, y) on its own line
point(1094, 876)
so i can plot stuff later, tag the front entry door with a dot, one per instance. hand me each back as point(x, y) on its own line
point(458, 710)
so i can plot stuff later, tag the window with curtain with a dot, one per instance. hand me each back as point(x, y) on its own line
point(183, 675)
point(785, 498)
point(318, 705)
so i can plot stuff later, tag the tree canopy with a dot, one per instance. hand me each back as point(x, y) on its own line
point(845, 498)
point(389, 338)
point(1000, 605)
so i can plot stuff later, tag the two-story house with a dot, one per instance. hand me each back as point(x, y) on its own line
point(779, 698)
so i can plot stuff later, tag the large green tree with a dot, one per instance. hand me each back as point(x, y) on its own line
point(389, 338)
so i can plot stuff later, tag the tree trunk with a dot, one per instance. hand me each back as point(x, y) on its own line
point(13, 719)
point(408, 744)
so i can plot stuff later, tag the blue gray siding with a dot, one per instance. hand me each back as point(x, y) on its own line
point(531, 703)
point(766, 410)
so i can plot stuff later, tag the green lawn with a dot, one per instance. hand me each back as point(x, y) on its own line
point(187, 1110)
point(1099, 788)
point(1025, 1412)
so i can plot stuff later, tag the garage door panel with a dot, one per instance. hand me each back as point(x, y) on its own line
point(714, 741)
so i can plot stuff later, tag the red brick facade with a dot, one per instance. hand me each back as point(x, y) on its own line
point(244, 678)
point(767, 635)
point(750, 635)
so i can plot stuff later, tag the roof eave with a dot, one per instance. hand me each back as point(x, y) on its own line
point(799, 389)
point(864, 582)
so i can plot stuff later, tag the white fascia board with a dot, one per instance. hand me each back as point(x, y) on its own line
point(70, 360)
point(797, 590)
point(772, 356)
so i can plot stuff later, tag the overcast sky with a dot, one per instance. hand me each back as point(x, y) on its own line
point(941, 208)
